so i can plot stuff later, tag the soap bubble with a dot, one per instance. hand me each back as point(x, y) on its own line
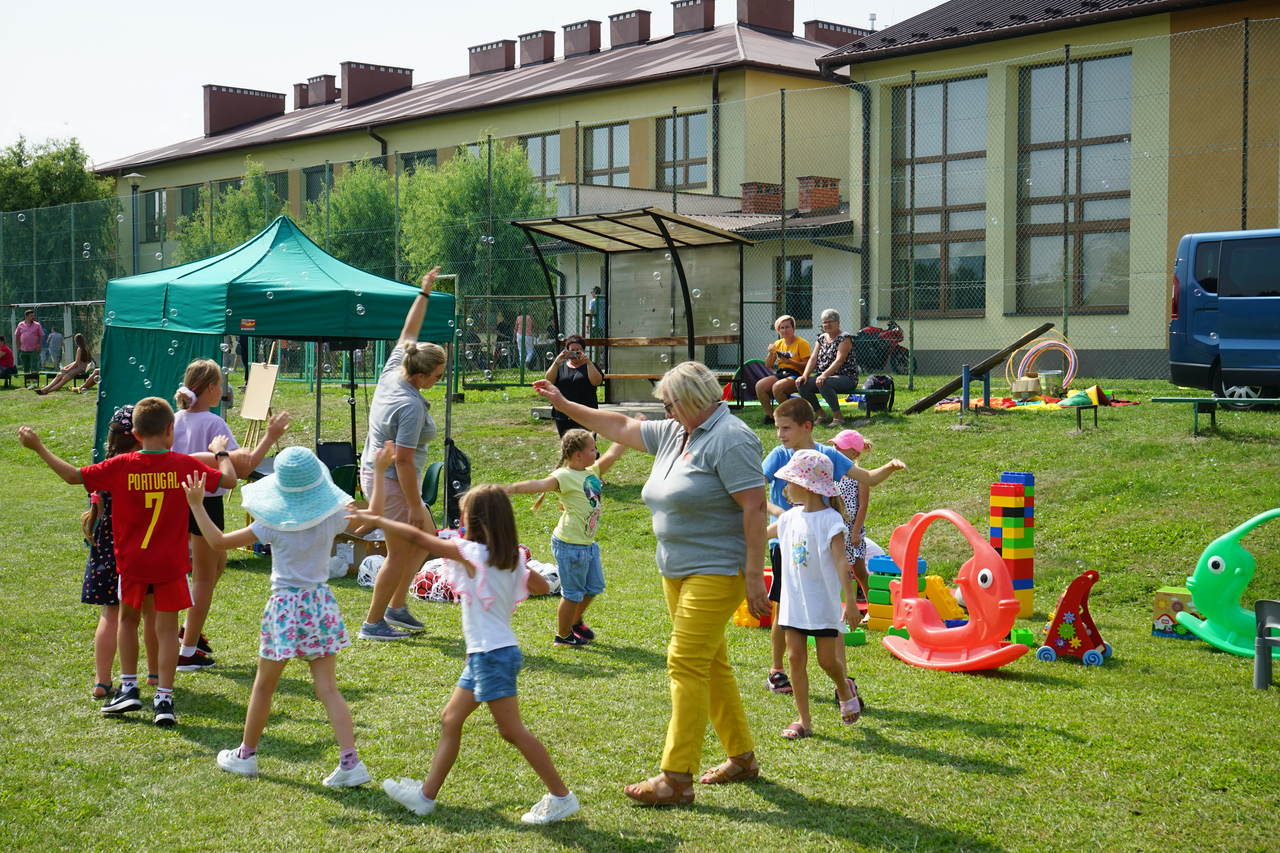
point(359, 294)
point(488, 374)
point(360, 309)
point(664, 358)
point(225, 347)
point(119, 217)
point(174, 343)
point(86, 247)
point(146, 383)
point(228, 312)
point(271, 295)
point(133, 360)
point(85, 254)
point(159, 256)
point(733, 327)
point(506, 398)
point(667, 256)
point(862, 302)
point(173, 312)
point(504, 353)
point(450, 324)
point(163, 322)
point(550, 357)
point(657, 276)
point(456, 484)
point(170, 350)
point(470, 355)
point(715, 323)
point(471, 321)
point(351, 401)
point(560, 337)
point(458, 333)
point(142, 368)
point(22, 217)
point(111, 315)
point(695, 293)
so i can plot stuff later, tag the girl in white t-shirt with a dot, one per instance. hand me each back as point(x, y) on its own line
point(811, 537)
point(297, 511)
point(485, 567)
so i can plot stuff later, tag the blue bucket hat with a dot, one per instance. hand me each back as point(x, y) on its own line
point(299, 495)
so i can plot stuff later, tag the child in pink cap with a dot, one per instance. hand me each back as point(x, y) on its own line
point(811, 536)
point(855, 490)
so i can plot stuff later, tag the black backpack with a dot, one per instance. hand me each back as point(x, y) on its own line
point(879, 402)
point(457, 479)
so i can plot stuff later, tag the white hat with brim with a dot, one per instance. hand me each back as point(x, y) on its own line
point(299, 495)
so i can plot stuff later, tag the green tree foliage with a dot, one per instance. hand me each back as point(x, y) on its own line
point(445, 220)
point(358, 225)
point(57, 234)
point(224, 220)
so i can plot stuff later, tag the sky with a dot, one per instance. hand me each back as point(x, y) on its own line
point(126, 76)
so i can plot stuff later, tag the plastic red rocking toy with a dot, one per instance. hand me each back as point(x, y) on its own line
point(988, 595)
point(1071, 631)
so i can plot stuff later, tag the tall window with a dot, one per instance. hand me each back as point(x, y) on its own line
point(314, 181)
point(948, 170)
point(543, 151)
point(607, 155)
point(794, 288)
point(411, 162)
point(153, 211)
point(682, 152)
point(228, 186)
point(188, 200)
point(1090, 142)
point(279, 181)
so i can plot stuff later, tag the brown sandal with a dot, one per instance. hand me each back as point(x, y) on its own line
point(735, 768)
point(661, 790)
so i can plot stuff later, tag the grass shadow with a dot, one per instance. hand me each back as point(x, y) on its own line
point(878, 743)
point(990, 729)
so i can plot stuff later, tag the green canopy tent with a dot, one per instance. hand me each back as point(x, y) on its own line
point(279, 284)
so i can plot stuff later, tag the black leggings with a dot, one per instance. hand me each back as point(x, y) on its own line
point(833, 387)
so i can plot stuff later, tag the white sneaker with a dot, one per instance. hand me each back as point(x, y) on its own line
point(408, 793)
point(551, 808)
point(230, 761)
point(340, 778)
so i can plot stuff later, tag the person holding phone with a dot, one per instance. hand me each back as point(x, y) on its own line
point(577, 378)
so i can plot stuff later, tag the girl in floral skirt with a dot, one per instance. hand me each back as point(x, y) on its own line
point(297, 510)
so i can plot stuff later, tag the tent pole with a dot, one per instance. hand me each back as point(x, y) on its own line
point(684, 284)
point(351, 391)
point(317, 373)
point(551, 288)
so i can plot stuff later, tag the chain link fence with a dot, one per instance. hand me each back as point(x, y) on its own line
point(965, 204)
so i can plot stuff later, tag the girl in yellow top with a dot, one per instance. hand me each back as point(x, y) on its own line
point(787, 357)
point(577, 480)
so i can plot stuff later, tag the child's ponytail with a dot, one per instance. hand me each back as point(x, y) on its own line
point(200, 374)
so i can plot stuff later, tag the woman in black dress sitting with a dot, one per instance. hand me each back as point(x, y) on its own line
point(576, 377)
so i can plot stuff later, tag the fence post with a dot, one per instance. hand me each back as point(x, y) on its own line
point(328, 181)
point(1244, 133)
point(395, 217)
point(784, 273)
point(911, 240)
point(1066, 186)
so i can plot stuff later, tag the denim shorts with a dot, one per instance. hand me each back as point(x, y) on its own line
point(492, 675)
point(580, 571)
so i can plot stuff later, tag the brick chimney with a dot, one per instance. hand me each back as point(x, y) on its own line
point(628, 28)
point(818, 194)
point(226, 107)
point(491, 57)
point(362, 82)
point(835, 35)
point(301, 91)
point(774, 15)
point(762, 198)
point(692, 16)
point(323, 89)
point(581, 38)
point(537, 48)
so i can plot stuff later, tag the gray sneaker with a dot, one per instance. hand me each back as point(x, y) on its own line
point(401, 618)
point(381, 631)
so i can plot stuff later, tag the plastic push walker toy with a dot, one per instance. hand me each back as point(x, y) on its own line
point(1222, 573)
point(988, 594)
point(1071, 631)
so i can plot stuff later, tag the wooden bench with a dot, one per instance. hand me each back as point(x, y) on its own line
point(654, 377)
point(1209, 405)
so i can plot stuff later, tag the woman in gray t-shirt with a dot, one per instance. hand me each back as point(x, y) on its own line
point(706, 493)
point(399, 414)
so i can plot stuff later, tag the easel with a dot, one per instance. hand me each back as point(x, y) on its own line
point(256, 408)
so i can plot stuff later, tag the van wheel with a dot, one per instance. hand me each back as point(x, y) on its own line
point(1242, 396)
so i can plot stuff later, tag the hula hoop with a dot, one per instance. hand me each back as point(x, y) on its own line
point(1039, 348)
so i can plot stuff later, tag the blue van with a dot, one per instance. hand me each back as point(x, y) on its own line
point(1224, 327)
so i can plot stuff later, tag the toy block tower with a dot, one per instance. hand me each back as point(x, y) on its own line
point(880, 570)
point(1013, 528)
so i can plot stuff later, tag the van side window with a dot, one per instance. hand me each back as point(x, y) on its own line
point(1248, 267)
point(1206, 273)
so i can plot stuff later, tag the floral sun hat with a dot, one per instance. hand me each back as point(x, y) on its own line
point(299, 495)
point(812, 470)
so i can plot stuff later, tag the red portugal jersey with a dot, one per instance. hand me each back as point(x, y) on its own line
point(149, 510)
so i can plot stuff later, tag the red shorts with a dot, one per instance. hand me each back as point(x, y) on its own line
point(170, 596)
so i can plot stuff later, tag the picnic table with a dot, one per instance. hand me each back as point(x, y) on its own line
point(1209, 405)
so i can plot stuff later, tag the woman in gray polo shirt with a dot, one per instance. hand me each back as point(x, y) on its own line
point(707, 497)
point(398, 413)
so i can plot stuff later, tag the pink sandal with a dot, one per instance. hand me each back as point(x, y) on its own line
point(851, 708)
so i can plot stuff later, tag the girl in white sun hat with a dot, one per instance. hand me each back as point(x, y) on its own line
point(297, 511)
point(815, 570)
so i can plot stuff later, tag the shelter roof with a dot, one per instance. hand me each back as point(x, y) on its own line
point(632, 230)
point(959, 23)
point(726, 46)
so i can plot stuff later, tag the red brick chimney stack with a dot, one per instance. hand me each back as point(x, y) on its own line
point(778, 16)
point(322, 89)
point(226, 107)
point(836, 35)
point(581, 38)
point(494, 56)
point(692, 16)
point(818, 194)
point(628, 28)
point(763, 198)
point(537, 48)
point(362, 82)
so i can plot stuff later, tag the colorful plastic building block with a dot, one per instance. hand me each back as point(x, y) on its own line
point(935, 589)
point(856, 637)
point(1022, 635)
point(988, 594)
point(1071, 631)
point(1222, 573)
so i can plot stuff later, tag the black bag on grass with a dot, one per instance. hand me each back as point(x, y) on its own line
point(879, 402)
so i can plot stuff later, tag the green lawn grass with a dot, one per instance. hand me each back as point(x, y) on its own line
point(1164, 747)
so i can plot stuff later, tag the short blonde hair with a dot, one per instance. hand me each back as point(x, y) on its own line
point(778, 322)
point(688, 388)
point(421, 358)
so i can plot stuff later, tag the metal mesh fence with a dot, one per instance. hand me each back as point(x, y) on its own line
point(966, 204)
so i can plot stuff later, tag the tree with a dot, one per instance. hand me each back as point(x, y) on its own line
point(51, 173)
point(224, 220)
point(445, 220)
point(357, 223)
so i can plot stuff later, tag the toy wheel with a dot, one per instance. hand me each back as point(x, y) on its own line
point(1106, 650)
point(1046, 654)
point(1092, 658)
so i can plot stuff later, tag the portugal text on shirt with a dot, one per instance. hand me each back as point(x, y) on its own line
point(152, 481)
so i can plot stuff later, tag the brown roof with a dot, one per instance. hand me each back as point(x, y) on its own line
point(725, 46)
point(963, 22)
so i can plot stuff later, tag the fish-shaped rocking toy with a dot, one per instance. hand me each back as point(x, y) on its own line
point(1222, 574)
point(988, 595)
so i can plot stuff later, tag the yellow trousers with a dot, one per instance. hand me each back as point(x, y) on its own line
point(702, 682)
